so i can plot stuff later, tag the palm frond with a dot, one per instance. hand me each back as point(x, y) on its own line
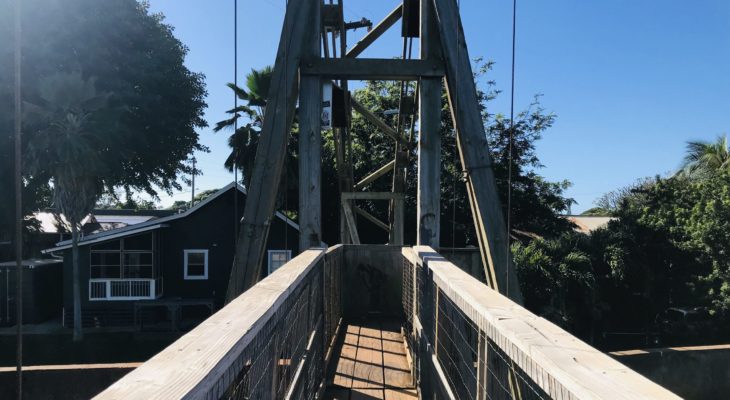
point(240, 93)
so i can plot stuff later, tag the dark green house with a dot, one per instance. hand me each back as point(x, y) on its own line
point(165, 265)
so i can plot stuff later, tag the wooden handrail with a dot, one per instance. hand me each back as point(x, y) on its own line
point(198, 364)
point(561, 364)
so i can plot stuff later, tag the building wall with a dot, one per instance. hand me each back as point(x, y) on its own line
point(41, 294)
point(211, 227)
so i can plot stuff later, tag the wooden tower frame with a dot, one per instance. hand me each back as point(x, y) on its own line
point(303, 63)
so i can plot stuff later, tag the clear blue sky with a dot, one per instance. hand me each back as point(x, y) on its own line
point(630, 81)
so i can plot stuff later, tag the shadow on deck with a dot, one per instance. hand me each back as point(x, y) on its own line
point(371, 363)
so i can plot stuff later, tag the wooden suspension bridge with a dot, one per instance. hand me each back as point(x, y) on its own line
point(376, 321)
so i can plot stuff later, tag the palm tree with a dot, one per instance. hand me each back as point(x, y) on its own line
point(704, 159)
point(66, 146)
point(244, 140)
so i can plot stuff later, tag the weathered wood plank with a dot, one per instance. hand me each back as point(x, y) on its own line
point(350, 219)
point(379, 123)
point(372, 69)
point(371, 195)
point(376, 32)
point(428, 208)
point(474, 151)
point(370, 217)
point(310, 146)
point(271, 150)
point(375, 175)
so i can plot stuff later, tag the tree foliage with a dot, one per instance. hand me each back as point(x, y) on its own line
point(705, 159)
point(129, 55)
point(557, 278)
point(247, 120)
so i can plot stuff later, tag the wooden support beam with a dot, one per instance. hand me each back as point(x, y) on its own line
point(376, 32)
point(372, 69)
point(375, 175)
point(370, 217)
point(271, 150)
point(399, 212)
point(474, 152)
point(372, 196)
point(379, 123)
point(310, 148)
point(428, 202)
point(351, 224)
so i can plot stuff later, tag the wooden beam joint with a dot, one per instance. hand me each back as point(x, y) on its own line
point(372, 69)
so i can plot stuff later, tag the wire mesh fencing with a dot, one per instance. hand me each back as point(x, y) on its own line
point(468, 363)
point(332, 295)
point(286, 358)
point(268, 366)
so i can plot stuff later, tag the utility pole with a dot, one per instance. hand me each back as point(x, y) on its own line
point(192, 191)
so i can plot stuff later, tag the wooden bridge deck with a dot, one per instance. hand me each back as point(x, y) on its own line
point(371, 363)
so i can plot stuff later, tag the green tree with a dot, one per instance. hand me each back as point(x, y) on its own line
point(134, 57)
point(703, 159)
point(139, 130)
point(250, 117)
point(68, 144)
point(694, 216)
point(557, 278)
point(536, 202)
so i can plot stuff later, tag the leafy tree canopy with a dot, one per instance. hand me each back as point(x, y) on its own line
point(132, 59)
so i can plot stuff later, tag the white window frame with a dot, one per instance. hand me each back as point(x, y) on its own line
point(271, 252)
point(185, 260)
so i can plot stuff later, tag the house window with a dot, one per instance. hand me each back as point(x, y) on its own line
point(277, 258)
point(128, 258)
point(196, 264)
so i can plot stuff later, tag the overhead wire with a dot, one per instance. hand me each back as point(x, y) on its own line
point(453, 128)
point(286, 148)
point(18, 202)
point(236, 220)
point(511, 139)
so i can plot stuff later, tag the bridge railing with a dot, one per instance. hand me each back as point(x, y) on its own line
point(470, 342)
point(269, 343)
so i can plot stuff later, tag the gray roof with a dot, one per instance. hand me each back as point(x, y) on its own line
point(154, 223)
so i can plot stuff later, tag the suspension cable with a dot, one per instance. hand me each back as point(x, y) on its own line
point(236, 220)
point(511, 138)
point(18, 206)
point(286, 148)
point(454, 112)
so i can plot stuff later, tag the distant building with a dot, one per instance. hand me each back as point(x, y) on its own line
point(53, 227)
point(169, 263)
point(588, 223)
point(42, 292)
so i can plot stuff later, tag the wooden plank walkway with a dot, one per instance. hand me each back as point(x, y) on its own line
point(371, 364)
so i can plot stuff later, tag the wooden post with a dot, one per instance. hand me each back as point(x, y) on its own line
point(310, 146)
point(271, 150)
point(474, 152)
point(428, 217)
